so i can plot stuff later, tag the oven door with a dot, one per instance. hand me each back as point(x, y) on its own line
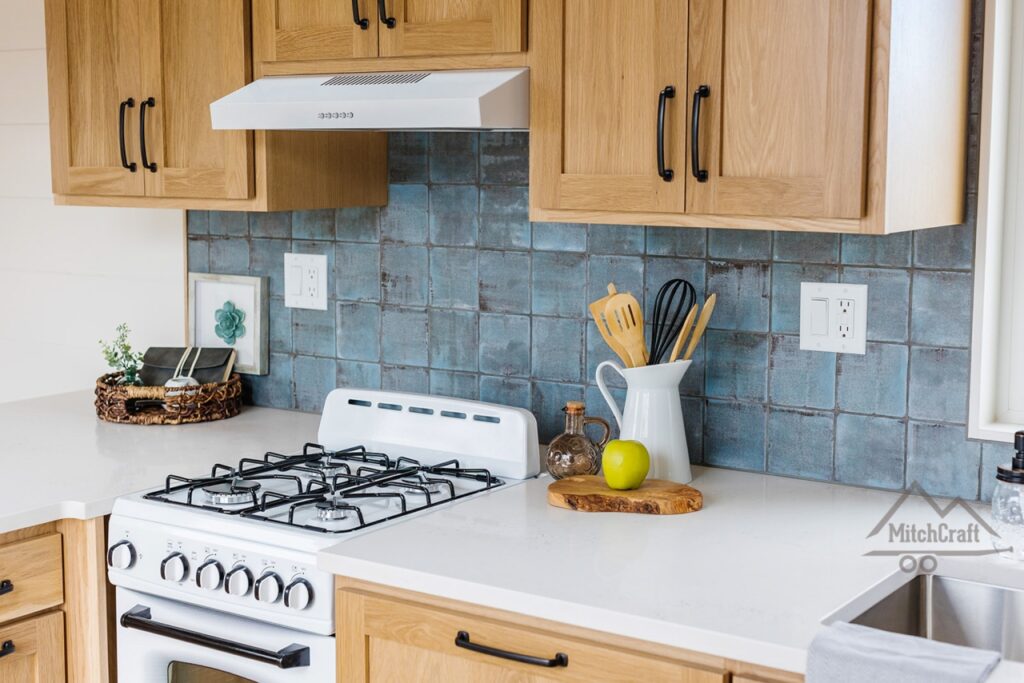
point(165, 641)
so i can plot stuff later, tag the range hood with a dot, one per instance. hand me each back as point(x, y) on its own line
point(492, 99)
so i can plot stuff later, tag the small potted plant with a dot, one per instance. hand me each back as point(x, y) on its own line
point(120, 357)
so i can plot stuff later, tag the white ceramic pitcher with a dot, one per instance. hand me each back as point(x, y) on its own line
point(653, 415)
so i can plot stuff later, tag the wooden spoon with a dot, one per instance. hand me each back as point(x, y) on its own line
point(626, 324)
point(597, 311)
point(702, 324)
point(683, 332)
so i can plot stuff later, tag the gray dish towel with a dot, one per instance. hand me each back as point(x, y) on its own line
point(848, 653)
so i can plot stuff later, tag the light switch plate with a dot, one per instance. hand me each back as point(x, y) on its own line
point(305, 281)
point(833, 317)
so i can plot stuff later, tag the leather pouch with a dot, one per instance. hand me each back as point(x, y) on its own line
point(159, 364)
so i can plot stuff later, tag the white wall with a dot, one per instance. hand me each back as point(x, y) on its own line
point(68, 275)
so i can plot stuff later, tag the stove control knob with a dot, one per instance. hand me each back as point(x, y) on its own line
point(268, 587)
point(121, 555)
point(298, 594)
point(174, 568)
point(238, 581)
point(210, 575)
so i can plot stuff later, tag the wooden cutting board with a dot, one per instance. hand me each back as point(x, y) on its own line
point(590, 493)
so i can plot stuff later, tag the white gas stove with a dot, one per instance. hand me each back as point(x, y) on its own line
point(216, 575)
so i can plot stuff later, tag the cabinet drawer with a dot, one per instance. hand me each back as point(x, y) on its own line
point(398, 632)
point(31, 577)
point(35, 649)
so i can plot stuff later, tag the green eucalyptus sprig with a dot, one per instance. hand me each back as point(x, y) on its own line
point(119, 354)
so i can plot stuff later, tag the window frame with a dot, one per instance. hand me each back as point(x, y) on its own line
point(985, 418)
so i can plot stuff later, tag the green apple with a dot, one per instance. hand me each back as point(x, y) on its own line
point(625, 464)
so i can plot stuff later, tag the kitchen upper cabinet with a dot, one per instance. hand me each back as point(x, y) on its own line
point(451, 27)
point(130, 84)
point(611, 108)
point(193, 52)
point(311, 36)
point(298, 30)
point(32, 651)
point(781, 107)
point(813, 115)
point(95, 81)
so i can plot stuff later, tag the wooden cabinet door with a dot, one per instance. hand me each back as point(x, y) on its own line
point(93, 67)
point(35, 650)
point(595, 122)
point(450, 27)
point(382, 640)
point(783, 128)
point(195, 51)
point(296, 30)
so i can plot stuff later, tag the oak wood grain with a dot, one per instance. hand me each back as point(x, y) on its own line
point(38, 656)
point(34, 568)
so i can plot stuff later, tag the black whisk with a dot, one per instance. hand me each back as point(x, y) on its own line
point(675, 299)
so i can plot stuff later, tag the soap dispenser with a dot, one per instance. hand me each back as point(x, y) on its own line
point(1008, 505)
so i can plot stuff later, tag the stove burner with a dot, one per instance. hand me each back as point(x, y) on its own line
point(330, 511)
point(423, 484)
point(237, 491)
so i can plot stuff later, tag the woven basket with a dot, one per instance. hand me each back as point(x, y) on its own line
point(203, 403)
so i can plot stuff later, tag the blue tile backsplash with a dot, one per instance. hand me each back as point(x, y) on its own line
point(450, 289)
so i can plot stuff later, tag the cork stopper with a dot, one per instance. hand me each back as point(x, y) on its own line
point(575, 408)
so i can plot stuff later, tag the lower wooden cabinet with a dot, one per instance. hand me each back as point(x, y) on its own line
point(386, 634)
point(32, 650)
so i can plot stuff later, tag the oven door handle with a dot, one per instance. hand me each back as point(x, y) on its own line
point(140, 618)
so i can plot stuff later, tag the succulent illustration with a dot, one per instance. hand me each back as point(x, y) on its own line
point(229, 323)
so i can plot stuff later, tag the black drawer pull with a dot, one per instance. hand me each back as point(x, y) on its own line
point(362, 23)
point(127, 104)
point(6, 587)
point(560, 658)
point(666, 173)
point(7, 648)
point(700, 174)
point(382, 12)
point(149, 102)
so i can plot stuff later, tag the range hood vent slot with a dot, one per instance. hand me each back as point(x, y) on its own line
point(376, 79)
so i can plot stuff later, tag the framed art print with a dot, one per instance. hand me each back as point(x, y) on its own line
point(230, 311)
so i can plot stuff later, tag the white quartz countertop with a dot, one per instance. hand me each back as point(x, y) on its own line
point(750, 577)
point(57, 460)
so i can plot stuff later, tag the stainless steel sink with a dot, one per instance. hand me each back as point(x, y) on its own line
point(953, 611)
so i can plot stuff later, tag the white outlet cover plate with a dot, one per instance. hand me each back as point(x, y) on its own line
point(305, 281)
point(827, 324)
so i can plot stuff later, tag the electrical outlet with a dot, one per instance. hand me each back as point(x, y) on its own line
point(305, 281)
point(833, 317)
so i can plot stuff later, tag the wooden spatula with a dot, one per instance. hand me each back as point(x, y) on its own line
point(702, 324)
point(626, 324)
point(683, 332)
point(597, 311)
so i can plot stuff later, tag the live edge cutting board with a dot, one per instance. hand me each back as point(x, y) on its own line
point(590, 493)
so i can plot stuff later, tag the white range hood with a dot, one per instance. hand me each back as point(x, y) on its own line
point(438, 100)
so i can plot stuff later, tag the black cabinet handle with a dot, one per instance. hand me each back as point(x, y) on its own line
point(127, 104)
point(700, 174)
point(560, 658)
point(7, 648)
point(141, 618)
point(363, 23)
point(667, 174)
point(149, 102)
point(382, 12)
point(6, 587)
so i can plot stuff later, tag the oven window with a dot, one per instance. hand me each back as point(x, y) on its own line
point(182, 672)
